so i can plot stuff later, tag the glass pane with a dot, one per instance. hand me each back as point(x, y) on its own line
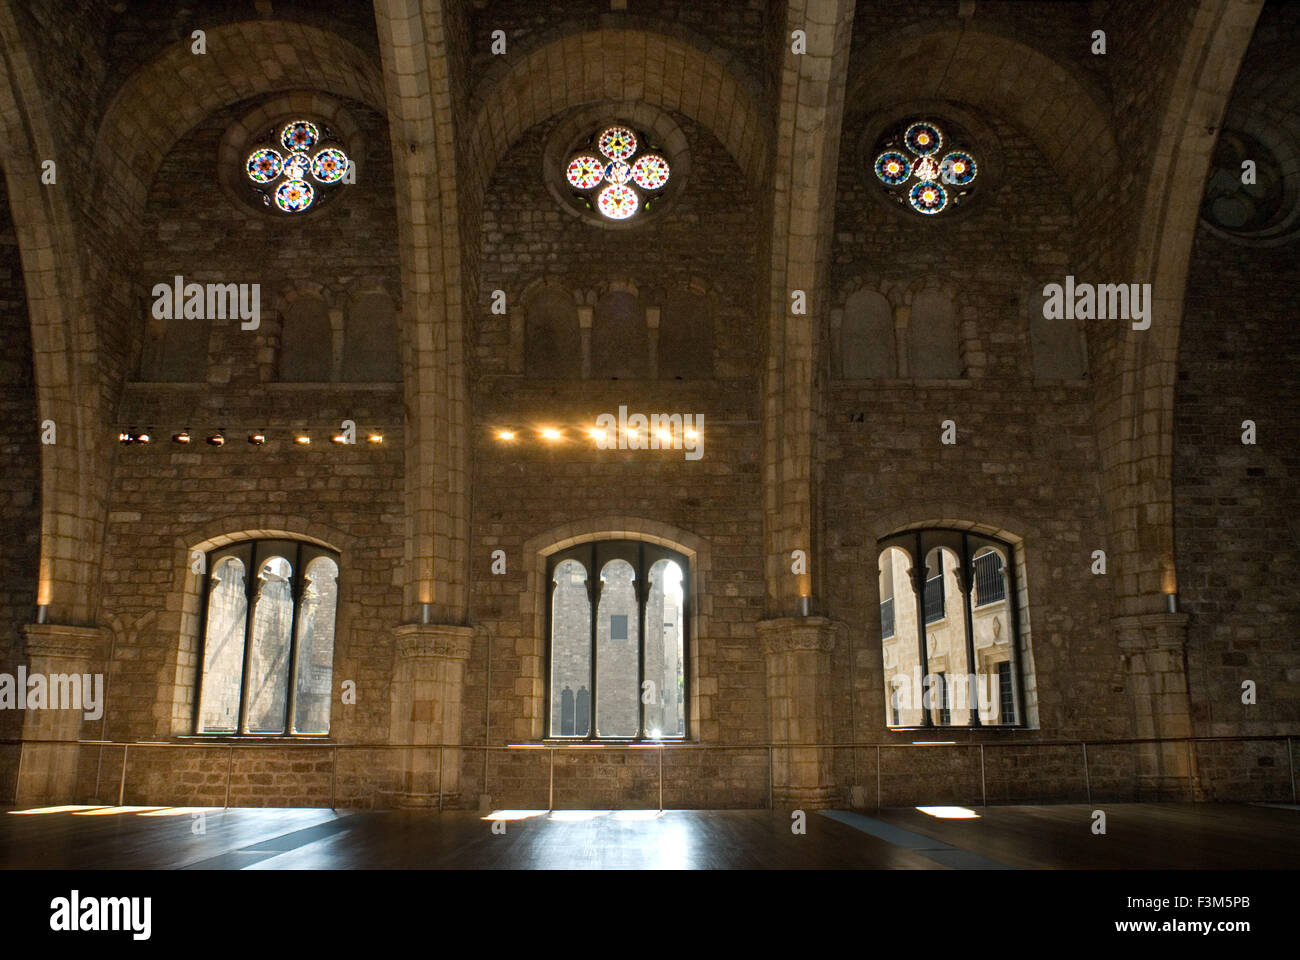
point(570, 651)
point(316, 611)
point(900, 650)
point(950, 682)
point(665, 652)
point(268, 669)
point(618, 705)
point(992, 634)
point(223, 648)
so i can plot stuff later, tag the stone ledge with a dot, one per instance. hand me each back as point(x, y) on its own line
point(424, 641)
point(63, 641)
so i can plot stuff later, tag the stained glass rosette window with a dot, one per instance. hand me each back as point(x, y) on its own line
point(283, 168)
point(618, 174)
point(917, 171)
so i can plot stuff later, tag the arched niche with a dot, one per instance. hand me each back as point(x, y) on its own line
point(371, 352)
point(685, 348)
point(932, 348)
point(306, 341)
point(619, 337)
point(552, 341)
point(867, 338)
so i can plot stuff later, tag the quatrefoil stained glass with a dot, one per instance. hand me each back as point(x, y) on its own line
point(283, 167)
point(618, 173)
point(918, 172)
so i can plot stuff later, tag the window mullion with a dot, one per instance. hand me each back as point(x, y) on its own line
point(594, 598)
point(642, 594)
point(966, 586)
point(252, 590)
point(918, 586)
point(297, 584)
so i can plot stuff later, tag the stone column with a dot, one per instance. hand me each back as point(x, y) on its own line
point(586, 316)
point(48, 772)
point(1154, 646)
point(798, 655)
point(427, 690)
point(652, 341)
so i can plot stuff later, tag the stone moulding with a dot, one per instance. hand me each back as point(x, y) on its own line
point(787, 634)
point(427, 641)
point(66, 642)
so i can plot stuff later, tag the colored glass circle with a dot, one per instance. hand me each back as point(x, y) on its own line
point(585, 172)
point(650, 171)
point(330, 165)
point(296, 167)
point(928, 197)
point(294, 196)
point(892, 167)
point(264, 166)
point(618, 201)
point(617, 143)
point(923, 138)
point(958, 168)
point(299, 136)
point(618, 172)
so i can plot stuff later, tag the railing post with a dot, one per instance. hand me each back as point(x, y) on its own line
point(984, 792)
point(1291, 765)
point(550, 789)
point(877, 776)
point(771, 775)
point(121, 787)
point(661, 778)
point(1087, 780)
point(334, 776)
point(1191, 763)
point(440, 757)
point(18, 777)
point(230, 764)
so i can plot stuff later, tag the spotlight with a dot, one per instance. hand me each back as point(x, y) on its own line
point(142, 438)
point(598, 434)
point(216, 439)
point(125, 439)
point(182, 437)
point(339, 438)
point(633, 433)
point(505, 434)
point(303, 438)
point(376, 438)
point(665, 435)
point(550, 434)
point(257, 439)
point(692, 435)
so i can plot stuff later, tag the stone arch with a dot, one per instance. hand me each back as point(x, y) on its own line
point(620, 65)
point(311, 334)
point(619, 339)
point(1136, 407)
point(933, 346)
point(64, 342)
point(179, 621)
point(371, 346)
point(532, 610)
point(993, 69)
point(168, 96)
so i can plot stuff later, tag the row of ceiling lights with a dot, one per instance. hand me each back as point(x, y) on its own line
point(596, 433)
point(218, 438)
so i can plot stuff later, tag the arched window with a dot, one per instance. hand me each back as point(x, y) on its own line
point(962, 666)
point(183, 357)
point(867, 338)
point(933, 353)
point(617, 641)
point(306, 342)
point(268, 639)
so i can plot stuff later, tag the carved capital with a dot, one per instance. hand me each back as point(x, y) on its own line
point(787, 634)
point(427, 641)
point(65, 642)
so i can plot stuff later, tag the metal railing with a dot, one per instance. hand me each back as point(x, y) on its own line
point(661, 748)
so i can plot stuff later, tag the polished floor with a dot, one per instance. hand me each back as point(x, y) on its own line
point(1138, 836)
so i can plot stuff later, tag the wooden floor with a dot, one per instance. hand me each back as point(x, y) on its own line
point(1144, 836)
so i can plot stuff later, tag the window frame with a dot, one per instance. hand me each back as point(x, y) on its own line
point(642, 555)
point(917, 544)
point(253, 554)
